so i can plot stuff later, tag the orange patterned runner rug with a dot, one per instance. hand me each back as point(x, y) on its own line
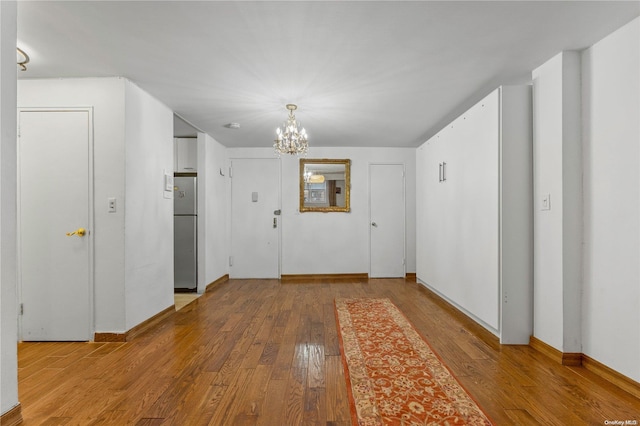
point(393, 375)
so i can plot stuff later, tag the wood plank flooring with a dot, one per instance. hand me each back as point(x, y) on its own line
point(262, 352)
point(183, 299)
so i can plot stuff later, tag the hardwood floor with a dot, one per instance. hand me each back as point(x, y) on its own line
point(183, 299)
point(262, 352)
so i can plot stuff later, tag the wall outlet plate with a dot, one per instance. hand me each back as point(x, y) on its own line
point(546, 202)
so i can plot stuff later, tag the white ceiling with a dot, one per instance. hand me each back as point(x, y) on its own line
point(363, 73)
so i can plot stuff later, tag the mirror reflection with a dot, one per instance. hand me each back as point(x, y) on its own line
point(324, 185)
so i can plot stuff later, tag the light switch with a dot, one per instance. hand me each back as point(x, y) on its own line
point(111, 205)
point(254, 197)
point(168, 181)
point(167, 185)
point(546, 202)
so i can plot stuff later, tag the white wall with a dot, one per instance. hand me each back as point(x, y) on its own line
point(611, 111)
point(212, 211)
point(587, 251)
point(342, 238)
point(148, 212)
point(106, 96)
point(8, 299)
point(133, 145)
point(558, 173)
point(547, 152)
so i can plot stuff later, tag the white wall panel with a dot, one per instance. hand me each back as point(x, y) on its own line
point(334, 243)
point(558, 175)
point(611, 107)
point(548, 259)
point(8, 221)
point(148, 213)
point(212, 211)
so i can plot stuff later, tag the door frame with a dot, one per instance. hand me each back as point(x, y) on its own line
point(90, 213)
point(404, 210)
point(230, 206)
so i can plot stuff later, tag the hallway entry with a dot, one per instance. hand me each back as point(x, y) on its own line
point(54, 217)
point(255, 218)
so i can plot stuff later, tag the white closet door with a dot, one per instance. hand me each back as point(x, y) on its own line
point(478, 193)
point(434, 239)
point(422, 175)
point(387, 229)
point(54, 201)
point(451, 253)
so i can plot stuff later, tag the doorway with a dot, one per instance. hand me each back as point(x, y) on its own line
point(387, 220)
point(255, 218)
point(55, 242)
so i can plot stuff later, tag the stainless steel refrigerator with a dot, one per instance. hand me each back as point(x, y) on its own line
point(185, 240)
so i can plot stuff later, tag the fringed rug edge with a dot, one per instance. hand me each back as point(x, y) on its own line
point(352, 402)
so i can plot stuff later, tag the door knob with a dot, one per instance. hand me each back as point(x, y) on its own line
point(79, 232)
point(375, 225)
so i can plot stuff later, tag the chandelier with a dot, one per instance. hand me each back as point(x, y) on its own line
point(290, 140)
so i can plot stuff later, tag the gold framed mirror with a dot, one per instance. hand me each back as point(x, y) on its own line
point(325, 185)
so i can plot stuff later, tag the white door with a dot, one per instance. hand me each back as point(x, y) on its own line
point(255, 225)
point(54, 154)
point(386, 183)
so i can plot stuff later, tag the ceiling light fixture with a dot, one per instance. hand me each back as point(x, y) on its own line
point(290, 140)
point(23, 59)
